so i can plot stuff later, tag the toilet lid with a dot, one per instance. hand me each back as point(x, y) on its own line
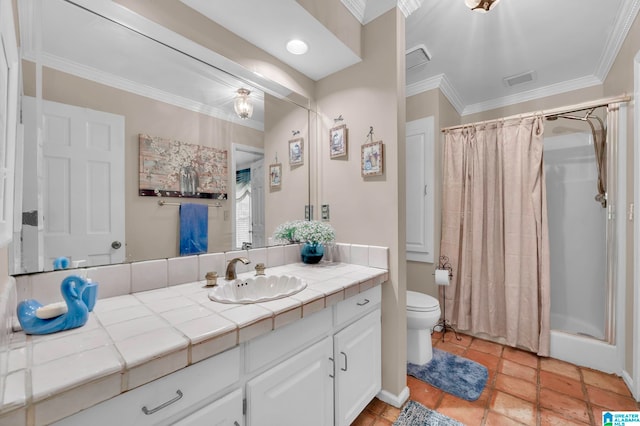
point(421, 302)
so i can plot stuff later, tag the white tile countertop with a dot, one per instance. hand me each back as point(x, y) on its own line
point(136, 338)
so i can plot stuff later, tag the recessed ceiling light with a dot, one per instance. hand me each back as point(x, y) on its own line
point(297, 47)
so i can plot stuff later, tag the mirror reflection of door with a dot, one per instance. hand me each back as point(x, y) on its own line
point(248, 207)
point(79, 198)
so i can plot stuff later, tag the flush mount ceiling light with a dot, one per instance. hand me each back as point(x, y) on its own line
point(242, 104)
point(297, 47)
point(481, 5)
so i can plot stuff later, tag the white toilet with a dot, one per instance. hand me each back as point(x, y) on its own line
point(423, 313)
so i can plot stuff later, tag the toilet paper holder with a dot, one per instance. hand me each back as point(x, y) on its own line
point(443, 263)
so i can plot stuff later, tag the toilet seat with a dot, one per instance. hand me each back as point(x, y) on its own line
point(420, 302)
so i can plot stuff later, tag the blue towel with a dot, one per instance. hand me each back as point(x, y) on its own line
point(194, 223)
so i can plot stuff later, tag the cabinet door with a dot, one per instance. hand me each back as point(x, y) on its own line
point(357, 352)
point(298, 391)
point(226, 411)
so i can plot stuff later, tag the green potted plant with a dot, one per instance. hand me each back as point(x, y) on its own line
point(314, 234)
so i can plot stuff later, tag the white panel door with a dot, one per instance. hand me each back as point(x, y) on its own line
point(257, 204)
point(420, 189)
point(298, 391)
point(358, 358)
point(82, 184)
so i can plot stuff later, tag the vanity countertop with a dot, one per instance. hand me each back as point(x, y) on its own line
point(134, 339)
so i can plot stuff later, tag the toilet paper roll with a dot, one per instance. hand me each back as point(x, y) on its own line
point(442, 277)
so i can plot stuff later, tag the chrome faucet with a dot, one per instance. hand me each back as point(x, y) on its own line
point(231, 267)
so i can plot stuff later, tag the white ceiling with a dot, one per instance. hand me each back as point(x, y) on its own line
point(270, 24)
point(567, 44)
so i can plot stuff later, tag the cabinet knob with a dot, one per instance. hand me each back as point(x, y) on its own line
point(116, 245)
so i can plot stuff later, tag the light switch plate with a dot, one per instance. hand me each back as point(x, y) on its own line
point(325, 212)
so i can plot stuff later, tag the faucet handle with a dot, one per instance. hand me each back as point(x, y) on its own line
point(212, 278)
point(260, 269)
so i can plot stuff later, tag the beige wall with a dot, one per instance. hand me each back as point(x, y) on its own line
point(431, 103)
point(371, 210)
point(143, 217)
point(286, 202)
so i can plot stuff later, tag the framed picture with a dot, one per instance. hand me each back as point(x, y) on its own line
point(338, 141)
point(275, 175)
point(296, 152)
point(172, 168)
point(372, 159)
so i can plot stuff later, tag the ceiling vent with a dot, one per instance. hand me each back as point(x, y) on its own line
point(514, 80)
point(416, 56)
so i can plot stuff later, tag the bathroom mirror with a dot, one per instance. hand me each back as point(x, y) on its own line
point(93, 85)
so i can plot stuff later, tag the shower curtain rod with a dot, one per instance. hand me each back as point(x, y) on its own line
point(547, 113)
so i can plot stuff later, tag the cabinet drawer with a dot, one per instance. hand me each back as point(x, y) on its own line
point(226, 411)
point(275, 345)
point(168, 397)
point(355, 306)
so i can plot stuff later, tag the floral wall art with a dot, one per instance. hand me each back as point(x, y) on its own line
point(172, 168)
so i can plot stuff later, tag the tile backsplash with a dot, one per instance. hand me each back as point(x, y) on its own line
point(117, 280)
point(8, 303)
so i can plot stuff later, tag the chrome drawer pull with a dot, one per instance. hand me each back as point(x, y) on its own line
point(164, 405)
point(333, 365)
point(363, 303)
point(345, 362)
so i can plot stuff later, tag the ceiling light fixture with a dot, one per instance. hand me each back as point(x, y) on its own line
point(482, 6)
point(242, 104)
point(297, 47)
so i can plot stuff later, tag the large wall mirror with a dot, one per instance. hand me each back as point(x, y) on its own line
point(124, 122)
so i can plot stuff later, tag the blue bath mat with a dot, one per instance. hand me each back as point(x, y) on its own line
point(416, 414)
point(453, 374)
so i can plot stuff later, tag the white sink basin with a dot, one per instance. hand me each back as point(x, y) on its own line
point(257, 289)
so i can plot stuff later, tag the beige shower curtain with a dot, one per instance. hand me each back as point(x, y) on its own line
point(494, 231)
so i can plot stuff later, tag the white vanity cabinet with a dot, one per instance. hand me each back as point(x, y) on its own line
point(321, 370)
point(297, 391)
point(172, 397)
point(357, 355)
point(326, 383)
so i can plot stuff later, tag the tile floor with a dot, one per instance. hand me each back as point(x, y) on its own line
point(523, 389)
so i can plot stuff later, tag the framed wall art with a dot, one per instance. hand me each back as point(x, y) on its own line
point(338, 141)
point(275, 175)
point(172, 168)
point(372, 159)
point(296, 152)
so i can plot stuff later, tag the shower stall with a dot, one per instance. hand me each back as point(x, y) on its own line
point(582, 172)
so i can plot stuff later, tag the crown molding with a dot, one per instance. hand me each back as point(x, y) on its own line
point(441, 82)
point(357, 8)
point(111, 80)
point(529, 95)
point(407, 7)
point(621, 28)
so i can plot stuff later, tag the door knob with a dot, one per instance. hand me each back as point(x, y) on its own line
point(116, 245)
